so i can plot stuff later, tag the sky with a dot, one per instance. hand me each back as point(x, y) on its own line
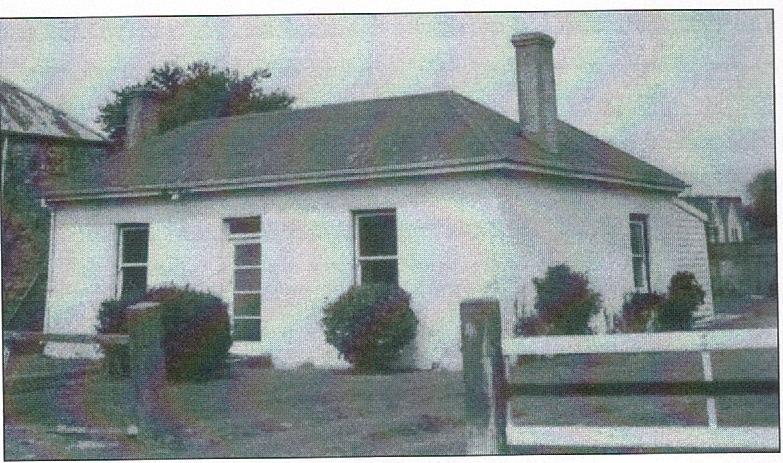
point(690, 92)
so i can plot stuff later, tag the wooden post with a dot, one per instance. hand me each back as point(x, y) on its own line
point(484, 375)
point(147, 366)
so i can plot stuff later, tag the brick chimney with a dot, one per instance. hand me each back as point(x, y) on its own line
point(536, 88)
point(143, 109)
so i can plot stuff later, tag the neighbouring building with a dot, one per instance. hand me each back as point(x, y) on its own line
point(725, 220)
point(280, 212)
point(36, 140)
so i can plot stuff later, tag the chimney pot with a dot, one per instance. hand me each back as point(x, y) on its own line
point(143, 112)
point(536, 88)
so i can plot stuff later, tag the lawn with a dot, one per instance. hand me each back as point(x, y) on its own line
point(260, 412)
point(255, 413)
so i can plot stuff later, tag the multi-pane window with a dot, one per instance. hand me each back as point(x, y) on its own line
point(376, 247)
point(640, 252)
point(245, 237)
point(132, 262)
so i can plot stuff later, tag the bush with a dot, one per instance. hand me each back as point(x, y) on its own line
point(564, 302)
point(684, 298)
point(531, 325)
point(638, 311)
point(370, 325)
point(196, 332)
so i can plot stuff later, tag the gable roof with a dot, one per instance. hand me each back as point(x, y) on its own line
point(723, 204)
point(23, 113)
point(389, 134)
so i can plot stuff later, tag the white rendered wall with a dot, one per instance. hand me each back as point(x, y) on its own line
point(458, 238)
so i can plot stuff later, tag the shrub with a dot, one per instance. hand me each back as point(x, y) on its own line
point(531, 325)
point(638, 311)
point(684, 298)
point(196, 332)
point(564, 302)
point(370, 324)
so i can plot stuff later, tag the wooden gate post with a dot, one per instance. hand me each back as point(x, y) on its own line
point(485, 376)
point(147, 365)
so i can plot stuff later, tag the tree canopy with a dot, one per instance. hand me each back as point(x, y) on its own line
point(198, 91)
point(762, 211)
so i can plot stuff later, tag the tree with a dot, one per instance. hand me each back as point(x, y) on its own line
point(199, 91)
point(762, 212)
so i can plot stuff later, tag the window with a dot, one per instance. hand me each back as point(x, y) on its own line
point(376, 247)
point(245, 238)
point(640, 253)
point(133, 255)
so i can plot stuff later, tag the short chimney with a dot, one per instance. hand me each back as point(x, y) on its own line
point(536, 88)
point(143, 109)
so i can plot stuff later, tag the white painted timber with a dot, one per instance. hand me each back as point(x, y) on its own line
point(645, 436)
point(459, 237)
point(675, 341)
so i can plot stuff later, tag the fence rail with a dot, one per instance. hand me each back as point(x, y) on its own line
point(483, 348)
point(635, 343)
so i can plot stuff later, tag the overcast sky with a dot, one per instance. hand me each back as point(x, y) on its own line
point(690, 92)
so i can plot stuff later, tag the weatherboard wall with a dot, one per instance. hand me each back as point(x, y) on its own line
point(458, 238)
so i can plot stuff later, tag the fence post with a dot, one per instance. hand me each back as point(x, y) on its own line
point(484, 375)
point(147, 365)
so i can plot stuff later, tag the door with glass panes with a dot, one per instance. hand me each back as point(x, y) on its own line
point(245, 243)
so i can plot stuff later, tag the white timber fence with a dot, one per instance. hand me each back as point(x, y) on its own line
point(488, 357)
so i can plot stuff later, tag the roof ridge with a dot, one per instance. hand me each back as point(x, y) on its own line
point(593, 137)
point(52, 107)
point(475, 125)
point(308, 108)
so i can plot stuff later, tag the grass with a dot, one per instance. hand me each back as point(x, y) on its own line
point(255, 413)
point(315, 412)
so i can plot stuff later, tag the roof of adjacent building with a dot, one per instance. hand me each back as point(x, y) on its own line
point(21, 112)
point(425, 130)
point(704, 203)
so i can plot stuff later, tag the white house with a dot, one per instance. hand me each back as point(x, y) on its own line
point(278, 213)
point(725, 221)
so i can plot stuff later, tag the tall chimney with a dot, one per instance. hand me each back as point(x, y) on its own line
point(143, 109)
point(536, 88)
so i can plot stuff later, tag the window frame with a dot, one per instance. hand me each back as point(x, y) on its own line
point(234, 240)
point(643, 220)
point(358, 258)
point(121, 265)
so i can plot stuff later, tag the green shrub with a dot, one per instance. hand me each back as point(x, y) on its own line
point(370, 325)
point(638, 311)
point(564, 302)
point(196, 332)
point(684, 298)
point(531, 325)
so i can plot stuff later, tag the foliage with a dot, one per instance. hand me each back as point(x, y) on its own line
point(198, 91)
point(762, 212)
point(532, 325)
point(196, 332)
point(370, 325)
point(639, 311)
point(684, 298)
point(21, 255)
point(564, 302)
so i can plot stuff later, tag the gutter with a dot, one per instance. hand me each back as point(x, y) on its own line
point(336, 176)
point(692, 210)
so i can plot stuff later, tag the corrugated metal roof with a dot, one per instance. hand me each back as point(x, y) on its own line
point(24, 113)
point(369, 135)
